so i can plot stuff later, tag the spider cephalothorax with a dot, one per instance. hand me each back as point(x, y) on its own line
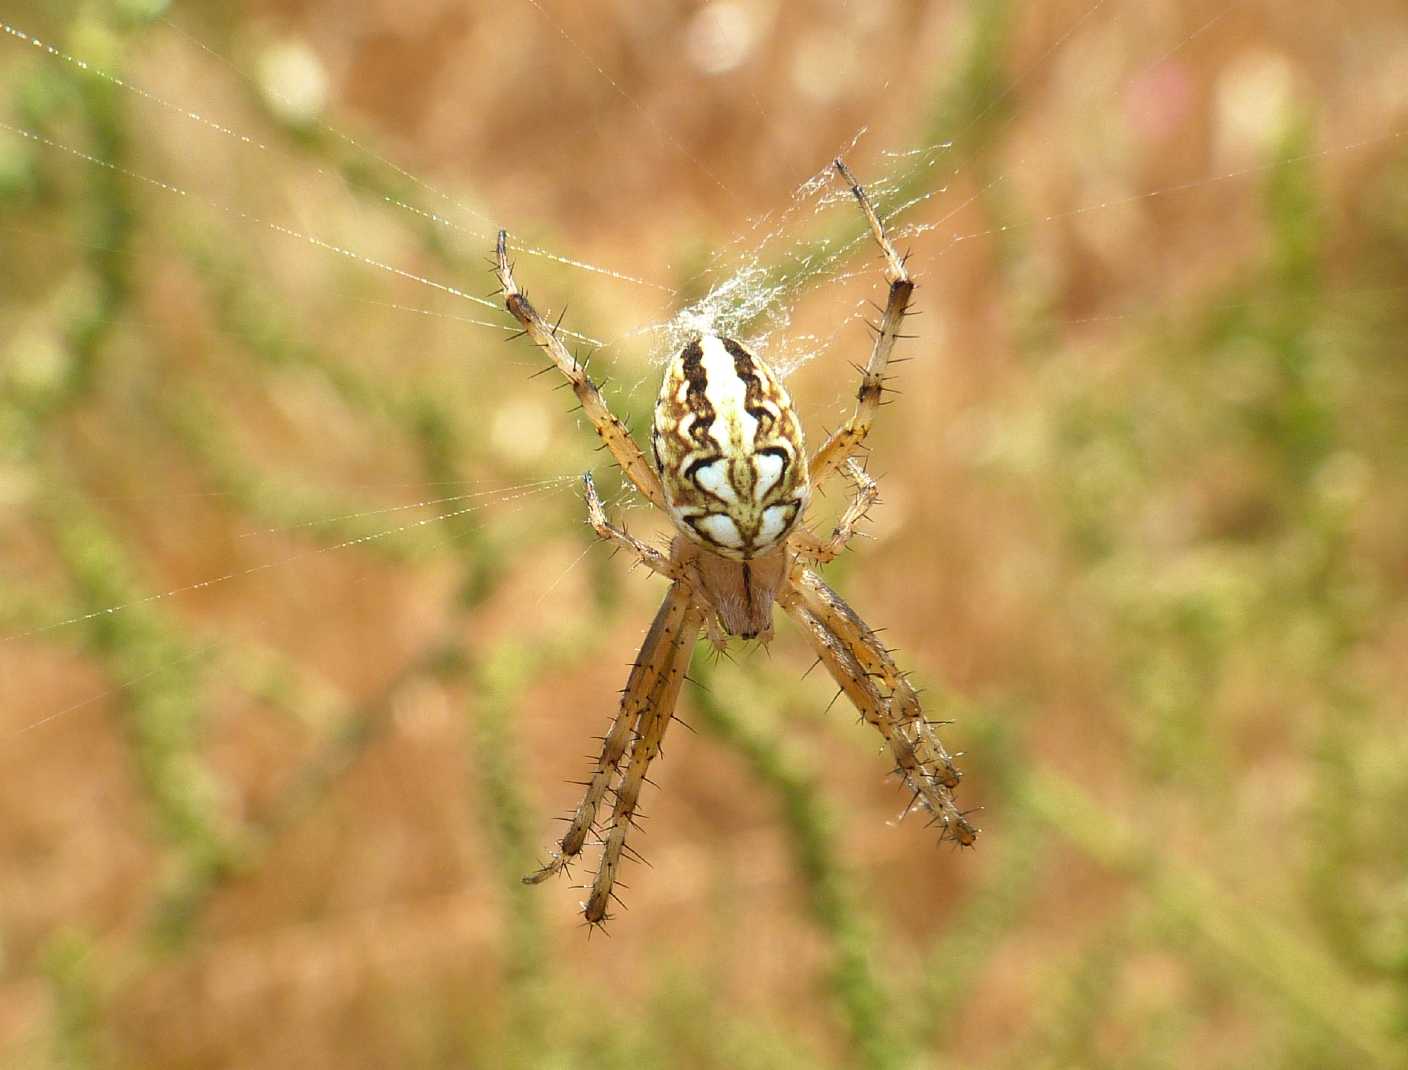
point(732, 472)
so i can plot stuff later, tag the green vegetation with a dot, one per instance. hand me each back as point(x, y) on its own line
point(277, 743)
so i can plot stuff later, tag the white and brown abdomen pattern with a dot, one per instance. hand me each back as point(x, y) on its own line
point(729, 449)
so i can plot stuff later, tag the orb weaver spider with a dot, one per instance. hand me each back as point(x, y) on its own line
point(733, 475)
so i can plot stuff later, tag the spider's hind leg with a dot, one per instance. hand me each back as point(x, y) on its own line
point(846, 439)
point(612, 432)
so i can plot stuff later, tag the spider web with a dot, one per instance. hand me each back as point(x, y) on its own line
point(349, 230)
point(751, 286)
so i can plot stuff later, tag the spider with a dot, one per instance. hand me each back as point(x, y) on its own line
point(732, 473)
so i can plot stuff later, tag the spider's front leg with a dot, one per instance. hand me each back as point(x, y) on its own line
point(844, 441)
point(652, 665)
point(864, 670)
point(875, 658)
point(656, 711)
point(612, 431)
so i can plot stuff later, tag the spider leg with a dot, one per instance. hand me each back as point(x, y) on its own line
point(857, 662)
point(648, 555)
point(651, 665)
point(846, 439)
point(612, 431)
point(655, 716)
point(876, 660)
point(867, 494)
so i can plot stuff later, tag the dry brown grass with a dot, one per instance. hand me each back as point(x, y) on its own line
point(1142, 536)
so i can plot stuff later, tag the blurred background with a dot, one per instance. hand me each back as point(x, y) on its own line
point(302, 635)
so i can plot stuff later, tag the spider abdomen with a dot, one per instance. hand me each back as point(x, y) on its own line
point(729, 449)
